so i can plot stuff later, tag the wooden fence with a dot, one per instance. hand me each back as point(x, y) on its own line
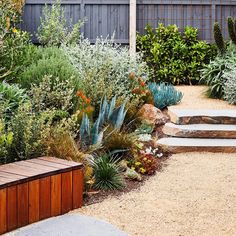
point(104, 17)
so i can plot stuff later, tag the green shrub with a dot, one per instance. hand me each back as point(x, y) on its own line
point(107, 173)
point(12, 40)
point(174, 57)
point(30, 131)
point(104, 69)
point(54, 29)
point(212, 74)
point(52, 94)
point(164, 95)
point(229, 85)
point(5, 143)
point(48, 61)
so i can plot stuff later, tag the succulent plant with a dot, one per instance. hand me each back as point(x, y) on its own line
point(107, 114)
point(164, 95)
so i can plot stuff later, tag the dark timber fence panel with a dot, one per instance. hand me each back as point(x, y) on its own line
point(105, 17)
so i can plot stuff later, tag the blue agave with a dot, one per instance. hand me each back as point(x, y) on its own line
point(107, 114)
point(164, 95)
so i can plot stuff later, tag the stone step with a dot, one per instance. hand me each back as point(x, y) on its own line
point(178, 145)
point(200, 130)
point(184, 117)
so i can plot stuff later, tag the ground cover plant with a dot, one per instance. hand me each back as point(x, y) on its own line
point(172, 56)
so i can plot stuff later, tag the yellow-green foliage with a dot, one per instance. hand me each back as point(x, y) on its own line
point(5, 142)
point(119, 140)
point(63, 145)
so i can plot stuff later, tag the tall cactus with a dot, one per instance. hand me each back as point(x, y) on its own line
point(219, 38)
point(231, 29)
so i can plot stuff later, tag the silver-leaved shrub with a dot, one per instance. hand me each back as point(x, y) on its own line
point(104, 68)
point(230, 86)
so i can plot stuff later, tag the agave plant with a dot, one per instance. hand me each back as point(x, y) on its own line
point(108, 114)
point(164, 95)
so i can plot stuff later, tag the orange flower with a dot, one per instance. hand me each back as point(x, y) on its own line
point(142, 83)
point(89, 109)
point(83, 97)
point(131, 75)
point(79, 93)
point(88, 101)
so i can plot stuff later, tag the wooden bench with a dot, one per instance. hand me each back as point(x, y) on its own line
point(37, 189)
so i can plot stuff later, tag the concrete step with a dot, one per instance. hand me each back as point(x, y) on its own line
point(200, 130)
point(184, 117)
point(178, 145)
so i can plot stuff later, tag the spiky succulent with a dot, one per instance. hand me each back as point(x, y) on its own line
point(164, 95)
point(108, 114)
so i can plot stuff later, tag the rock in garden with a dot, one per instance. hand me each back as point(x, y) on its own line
point(153, 115)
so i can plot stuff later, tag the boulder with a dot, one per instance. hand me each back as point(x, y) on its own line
point(150, 114)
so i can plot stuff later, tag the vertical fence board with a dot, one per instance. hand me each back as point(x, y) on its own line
point(33, 201)
point(66, 195)
point(77, 186)
point(56, 195)
point(3, 211)
point(44, 198)
point(23, 204)
point(11, 208)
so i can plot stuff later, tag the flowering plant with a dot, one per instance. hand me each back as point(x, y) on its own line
point(84, 105)
point(139, 88)
point(144, 164)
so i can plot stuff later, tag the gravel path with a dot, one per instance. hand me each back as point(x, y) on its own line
point(194, 98)
point(194, 195)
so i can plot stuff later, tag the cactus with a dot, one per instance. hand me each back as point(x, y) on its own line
point(219, 38)
point(164, 95)
point(231, 29)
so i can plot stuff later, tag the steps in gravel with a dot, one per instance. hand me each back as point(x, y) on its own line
point(200, 130)
point(183, 117)
point(178, 145)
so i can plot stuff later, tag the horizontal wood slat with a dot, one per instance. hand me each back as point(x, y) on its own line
point(23, 171)
point(56, 188)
